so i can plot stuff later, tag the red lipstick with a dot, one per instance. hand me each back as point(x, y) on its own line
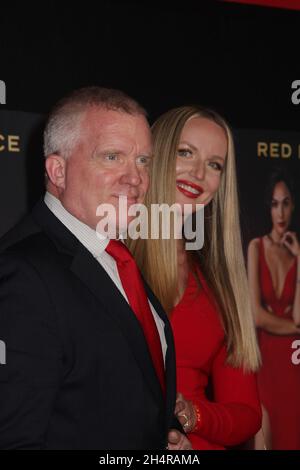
point(184, 185)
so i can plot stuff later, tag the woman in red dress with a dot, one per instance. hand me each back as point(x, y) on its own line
point(274, 280)
point(204, 291)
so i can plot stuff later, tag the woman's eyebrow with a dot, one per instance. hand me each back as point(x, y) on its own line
point(183, 142)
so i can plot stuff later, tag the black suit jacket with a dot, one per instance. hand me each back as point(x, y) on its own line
point(78, 373)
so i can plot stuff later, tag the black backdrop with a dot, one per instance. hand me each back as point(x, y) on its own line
point(240, 59)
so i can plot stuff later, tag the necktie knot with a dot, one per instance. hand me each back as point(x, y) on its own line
point(119, 251)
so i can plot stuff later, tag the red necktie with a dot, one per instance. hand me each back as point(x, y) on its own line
point(135, 291)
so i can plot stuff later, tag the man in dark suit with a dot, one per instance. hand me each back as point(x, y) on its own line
point(79, 373)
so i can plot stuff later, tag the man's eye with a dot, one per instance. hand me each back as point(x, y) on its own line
point(143, 160)
point(184, 152)
point(111, 157)
point(216, 166)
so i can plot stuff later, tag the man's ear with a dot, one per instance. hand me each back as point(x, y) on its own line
point(56, 170)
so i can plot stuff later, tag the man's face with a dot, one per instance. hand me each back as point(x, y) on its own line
point(111, 159)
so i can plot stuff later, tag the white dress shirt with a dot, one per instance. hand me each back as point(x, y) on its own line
point(96, 246)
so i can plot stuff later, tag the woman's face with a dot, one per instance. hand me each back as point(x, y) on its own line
point(281, 208)
point(201, 157)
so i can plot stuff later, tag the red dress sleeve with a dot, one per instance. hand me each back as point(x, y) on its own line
point(235, 414)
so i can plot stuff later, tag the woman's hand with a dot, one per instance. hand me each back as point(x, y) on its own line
point(290, 240)
point(185, 412)
point(269, 309)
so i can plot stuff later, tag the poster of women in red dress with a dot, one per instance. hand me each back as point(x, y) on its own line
point(269, 194)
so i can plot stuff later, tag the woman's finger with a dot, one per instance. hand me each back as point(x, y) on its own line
point(180, 406)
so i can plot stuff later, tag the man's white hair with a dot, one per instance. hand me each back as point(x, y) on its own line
point(63, 127)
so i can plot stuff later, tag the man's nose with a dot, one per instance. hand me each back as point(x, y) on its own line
point(131, 174)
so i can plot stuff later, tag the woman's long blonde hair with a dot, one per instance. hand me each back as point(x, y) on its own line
point(221, 258)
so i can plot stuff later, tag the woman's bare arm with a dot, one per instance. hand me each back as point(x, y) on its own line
point(263, 318)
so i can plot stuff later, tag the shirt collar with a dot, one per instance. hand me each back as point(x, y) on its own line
point(85, 234)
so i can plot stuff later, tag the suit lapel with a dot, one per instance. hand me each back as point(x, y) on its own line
point(91, 273)
point(100, 284)
point(170, 356)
